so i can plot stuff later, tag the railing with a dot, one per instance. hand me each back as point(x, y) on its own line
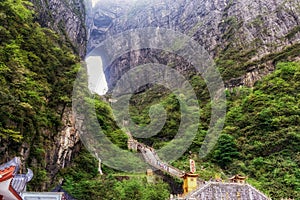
point(152, 158)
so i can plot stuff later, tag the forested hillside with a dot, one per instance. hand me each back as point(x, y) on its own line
point(265, 124)
point(260, 139)
point(37, 69)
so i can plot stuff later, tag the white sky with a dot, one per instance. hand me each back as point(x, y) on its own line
point(94, 2)
point(97, 80)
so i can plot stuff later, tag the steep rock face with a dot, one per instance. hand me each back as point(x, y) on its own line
point(244, 37)
point(36, 119)
point(66, 145)
point(66, 18)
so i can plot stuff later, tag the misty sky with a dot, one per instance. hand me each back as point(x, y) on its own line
point(97, 80)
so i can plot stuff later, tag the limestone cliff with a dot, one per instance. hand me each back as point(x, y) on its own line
point(66, 18)
point(53, 146)
point(246, 38)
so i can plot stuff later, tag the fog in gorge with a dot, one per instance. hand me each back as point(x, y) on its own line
point(96, 77)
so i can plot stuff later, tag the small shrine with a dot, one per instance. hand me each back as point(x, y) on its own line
point(150, 176)
point(190, 179)
point(237, 179)
point(13, 184)
point(189, 182)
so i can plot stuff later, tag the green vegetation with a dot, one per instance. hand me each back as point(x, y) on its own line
point(37, 71)
point(265, 123)
point(83, 182)
point(225, 151)
point(108, 124)
point(261, 137)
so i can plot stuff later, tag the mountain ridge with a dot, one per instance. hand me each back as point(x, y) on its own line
point(239, 35)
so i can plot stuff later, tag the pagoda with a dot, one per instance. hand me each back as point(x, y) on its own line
point(13, 184)
point(237, 179)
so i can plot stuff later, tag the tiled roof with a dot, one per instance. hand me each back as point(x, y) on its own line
point(16, 162)
point(7, 173)
point(20, 180)
point(10, 170)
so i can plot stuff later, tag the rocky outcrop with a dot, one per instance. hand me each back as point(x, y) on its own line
point(66, 144)
point(37, 124)
point(243, 36)
point(67, 17)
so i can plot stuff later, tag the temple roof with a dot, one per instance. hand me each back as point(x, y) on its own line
point(20, 180)
point(7, 172)
point(11, 183)
point(237, 177)
point(15, 162)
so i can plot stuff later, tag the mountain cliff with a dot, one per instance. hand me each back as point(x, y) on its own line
point(255, 45)
point(67, 18)
point(41, 45)
point(246, 38)
point(43, 42)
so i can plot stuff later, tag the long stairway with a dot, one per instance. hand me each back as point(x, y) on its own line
point(208, 191)
point(152, 158)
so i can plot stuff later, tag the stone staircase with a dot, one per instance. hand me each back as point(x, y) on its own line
point(151, 157)
point(208, 191)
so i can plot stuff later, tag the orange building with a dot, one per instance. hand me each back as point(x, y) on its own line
point(189, 182)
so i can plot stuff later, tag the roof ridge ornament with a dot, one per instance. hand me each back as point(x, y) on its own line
point(13, 184)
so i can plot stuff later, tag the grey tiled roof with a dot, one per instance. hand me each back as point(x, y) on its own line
point(20, 180)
